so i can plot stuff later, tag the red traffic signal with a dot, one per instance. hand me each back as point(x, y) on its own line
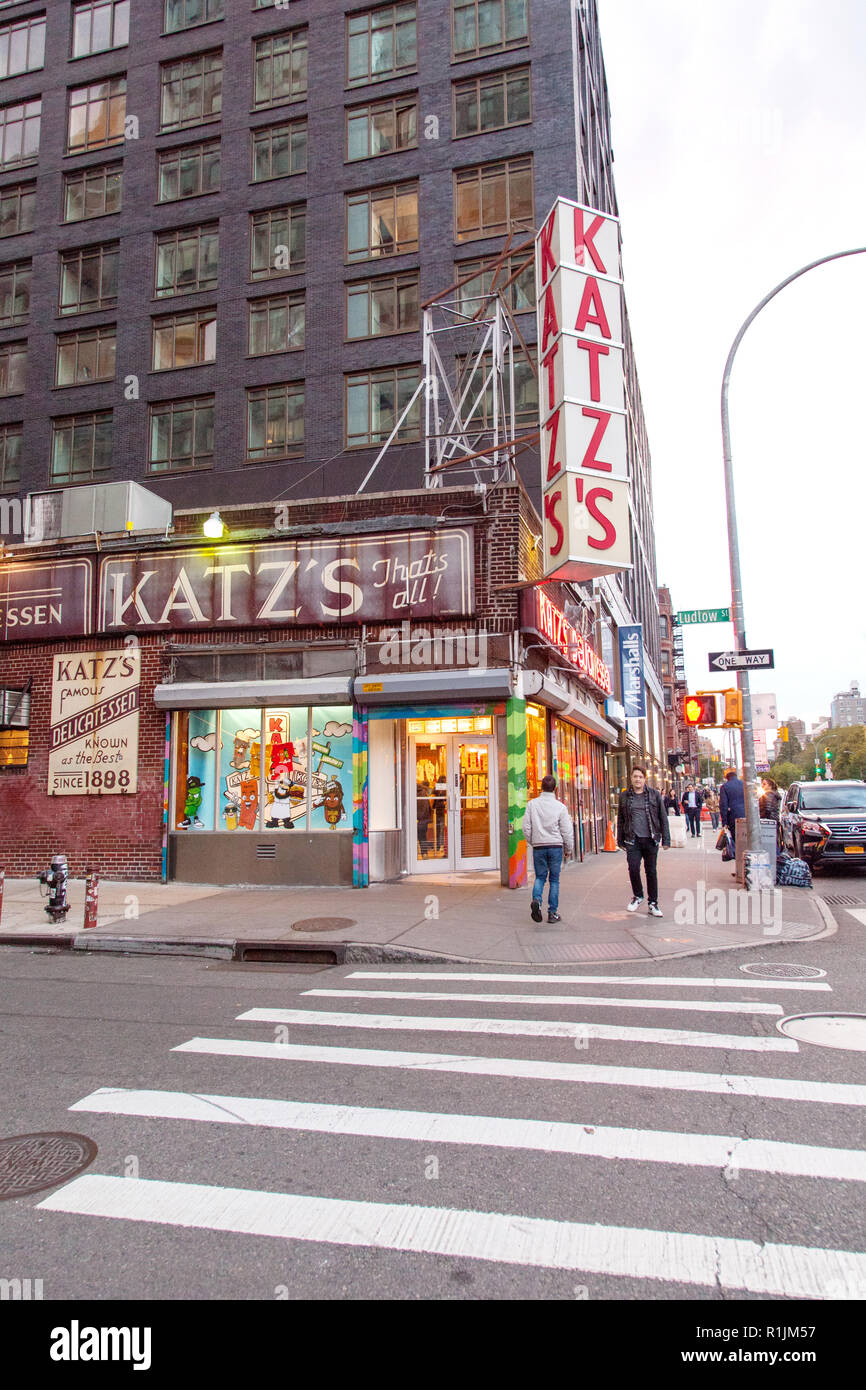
point(700, 711)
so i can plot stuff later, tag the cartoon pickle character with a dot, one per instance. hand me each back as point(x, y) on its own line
point(193, 804)
point(333, 803)
point(249, 804)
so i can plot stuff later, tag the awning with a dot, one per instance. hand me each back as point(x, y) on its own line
point(386, 688)
point(576, 708)
point(316, 690)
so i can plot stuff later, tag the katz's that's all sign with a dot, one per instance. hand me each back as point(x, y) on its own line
point(582, 399)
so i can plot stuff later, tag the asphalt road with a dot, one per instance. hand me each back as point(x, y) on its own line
point(183, 1200)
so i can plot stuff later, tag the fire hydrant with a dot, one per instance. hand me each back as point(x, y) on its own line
point(56, 877)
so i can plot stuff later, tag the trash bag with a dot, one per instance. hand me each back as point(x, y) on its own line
point(793, 873)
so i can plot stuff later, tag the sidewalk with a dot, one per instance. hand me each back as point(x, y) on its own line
point(465, 917)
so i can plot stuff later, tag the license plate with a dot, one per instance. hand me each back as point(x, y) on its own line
point(853, 849)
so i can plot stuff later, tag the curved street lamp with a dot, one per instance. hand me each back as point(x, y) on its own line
point(749, 770)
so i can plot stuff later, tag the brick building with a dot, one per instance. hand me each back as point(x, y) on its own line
point(219, 221)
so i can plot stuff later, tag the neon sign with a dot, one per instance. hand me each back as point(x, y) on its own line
point(553, 625)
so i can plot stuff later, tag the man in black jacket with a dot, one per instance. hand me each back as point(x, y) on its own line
point(693, 800)
point(642, 825)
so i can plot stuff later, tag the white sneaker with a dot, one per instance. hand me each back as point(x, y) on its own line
point(655, 910)
point(634, 904)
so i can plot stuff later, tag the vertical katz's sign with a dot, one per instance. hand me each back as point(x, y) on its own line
point(584, 459)
point(94, 723)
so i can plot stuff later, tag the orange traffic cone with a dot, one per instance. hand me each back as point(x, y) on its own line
point(610, 846)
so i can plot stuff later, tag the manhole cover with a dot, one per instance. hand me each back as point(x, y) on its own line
point(784, 972)
point(847, 1031)
point(32, 1162)
point(324, 924)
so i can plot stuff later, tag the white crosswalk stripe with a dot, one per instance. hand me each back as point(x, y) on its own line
point(706, 1261)
point(495, 1234)
point(523, 1028)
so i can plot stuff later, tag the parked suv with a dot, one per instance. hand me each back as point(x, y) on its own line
point(825, 822)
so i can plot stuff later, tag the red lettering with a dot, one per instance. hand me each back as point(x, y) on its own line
point(590, 458)
point(551, 323)
point(595, 350)
point(592, 507)
point(583, 240)
point(546, 256)
point(592, 301)
point(550, 516)
point(548, 366)
point(553, 464)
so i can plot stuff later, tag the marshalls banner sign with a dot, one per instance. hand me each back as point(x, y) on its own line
point(94, 723)
point(584, 457)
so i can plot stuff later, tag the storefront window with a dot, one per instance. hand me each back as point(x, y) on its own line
point(285, 769)
point(536, 749)
point(195, 770)
point(240, 768)
point(330, 767)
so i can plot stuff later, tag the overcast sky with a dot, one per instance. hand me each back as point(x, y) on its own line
point(738, 134)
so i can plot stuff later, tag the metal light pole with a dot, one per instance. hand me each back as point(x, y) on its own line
point(749, 771)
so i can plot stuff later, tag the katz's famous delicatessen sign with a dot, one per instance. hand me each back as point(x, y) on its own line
point(94, 723)
point(584, 456)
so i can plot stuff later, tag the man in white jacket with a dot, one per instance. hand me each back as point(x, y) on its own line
point(548, 829)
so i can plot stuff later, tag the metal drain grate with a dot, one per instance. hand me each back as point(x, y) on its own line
point(840, 900)
point(784, 972)
point(324, 924)
point(32, 1162)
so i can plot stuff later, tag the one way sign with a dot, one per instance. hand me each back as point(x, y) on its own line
point(761, 660)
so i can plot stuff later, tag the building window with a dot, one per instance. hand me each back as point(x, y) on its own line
point(88, 279)
point(279, 150)
point(81, 447)
point(13, 369)
point(276, 324)
point(666, 663)
point(17, 209)
point(188, 172)
point(381, 43)
point(519, 295)
point(85, 356)
point(669, 698)
point(14, 294)
point(10, 457)
point(525, 392)
point(275, 421)
point(382, 127)
point(492, 102)
point(492, 199)
point(98, 25)
point(375, 402)
point(181, 434)
point(382, 222)
point(278, 242)
point(92, 192)
point(191, 91)
point(22, 46)
point(186, 261)
point(184, 340)
point(19, 133)
point(280, 68)
point(375, 308)
point(489, 26)
point(97, 114)
point(184, 14)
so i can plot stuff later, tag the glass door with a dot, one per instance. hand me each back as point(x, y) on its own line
point(452, 804)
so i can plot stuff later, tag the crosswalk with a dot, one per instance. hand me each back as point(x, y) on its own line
point(386, 1002)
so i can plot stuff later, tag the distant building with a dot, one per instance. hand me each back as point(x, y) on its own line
point(821, 726)
point(847, 708)
point(797, 729)
point(679, 738)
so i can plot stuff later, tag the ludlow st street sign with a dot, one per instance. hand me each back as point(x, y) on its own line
point(703, 615)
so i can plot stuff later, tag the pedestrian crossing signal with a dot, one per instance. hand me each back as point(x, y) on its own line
point(733, 709)
point(700, 711)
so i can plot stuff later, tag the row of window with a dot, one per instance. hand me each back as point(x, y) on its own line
point(381, 43)
point(97, 117)
point(182, 431)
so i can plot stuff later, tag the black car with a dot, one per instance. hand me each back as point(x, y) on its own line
point(825, 822)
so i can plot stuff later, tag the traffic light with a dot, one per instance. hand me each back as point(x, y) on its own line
point(783, 735)
point(828, 765)
point(733, 709)
point(700, 711)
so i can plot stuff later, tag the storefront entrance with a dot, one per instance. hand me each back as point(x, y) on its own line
point(452, 803)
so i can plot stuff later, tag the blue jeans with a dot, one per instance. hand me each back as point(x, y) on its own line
point(714, 817)
point(547, 861)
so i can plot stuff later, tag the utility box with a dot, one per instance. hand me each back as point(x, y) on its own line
point(111, 509)
point(769, 830)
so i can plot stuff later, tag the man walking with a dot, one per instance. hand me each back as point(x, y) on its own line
point(642, 825)
point(732, 802)
point(547, 828)
point(693, 800)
